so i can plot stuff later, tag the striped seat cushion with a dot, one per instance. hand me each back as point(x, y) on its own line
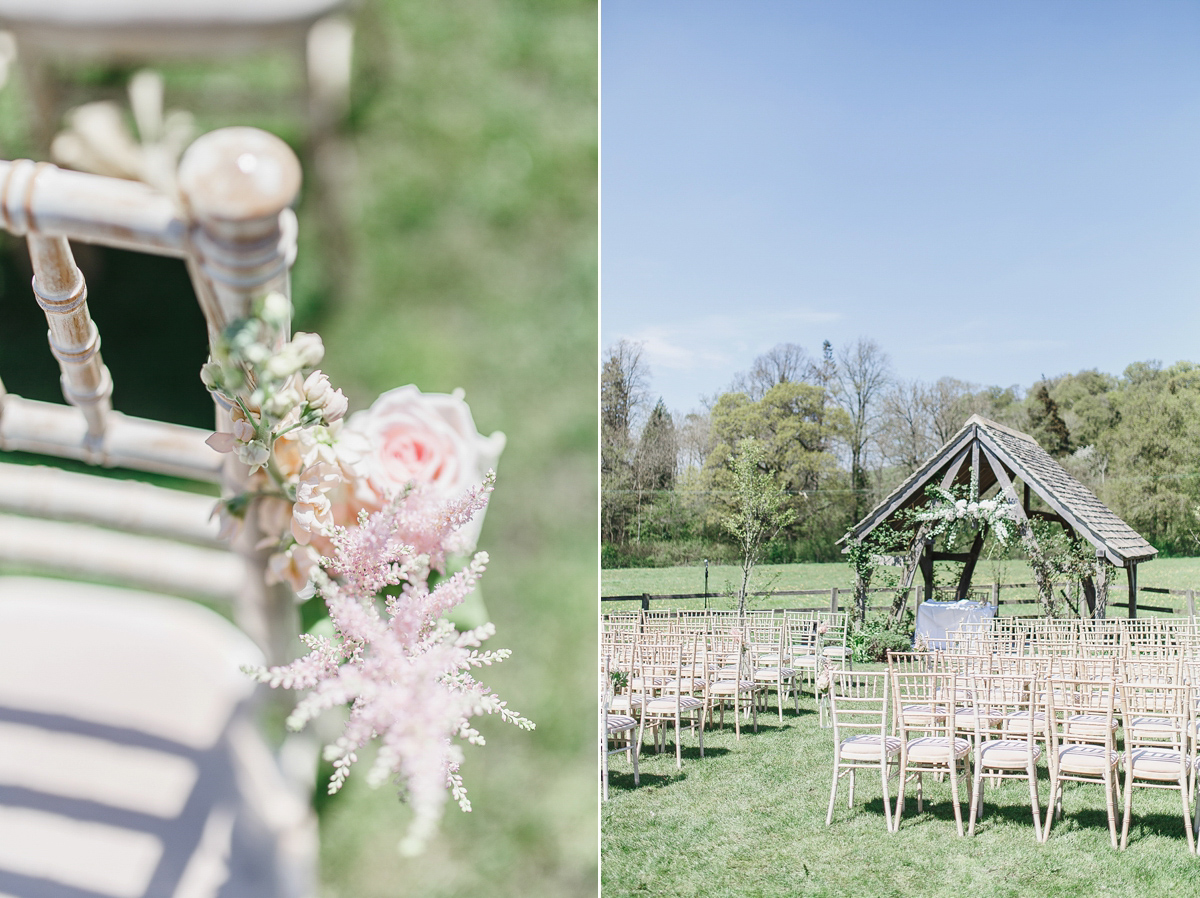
point(1008, 753)
point(865, 747)
point(668, 705)
point(936, 749)
point(774, 673)
point(1157, 763)
point(619, 722)
point(729, 687)
point(1086, 759)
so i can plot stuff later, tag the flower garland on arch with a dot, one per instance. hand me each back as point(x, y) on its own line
point(366, 513)
point(947, 514)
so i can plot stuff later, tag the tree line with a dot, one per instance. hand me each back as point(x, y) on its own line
point(837, 430)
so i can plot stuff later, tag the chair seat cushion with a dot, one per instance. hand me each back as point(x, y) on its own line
point(729, 687)
point(621, 703)
point(1086, 759)
point(865, 747)
point(835, 651)
point(774, 673)
point(1007, 753)
point(619, 722)
point(1157, 763)
point(668, 705)
point(1018, 722)
point(936, 749)
point(1088, 725)
point(1156, 727)
point(922, 715)
point(964, 718)
point(128, 748)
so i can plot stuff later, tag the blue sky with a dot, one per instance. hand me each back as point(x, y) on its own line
point(992, 191)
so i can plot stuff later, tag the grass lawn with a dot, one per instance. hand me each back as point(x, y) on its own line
point(748, 819)
point(1165, 573)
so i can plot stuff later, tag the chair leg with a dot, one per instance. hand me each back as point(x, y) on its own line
point(887, 805)
point(604, 769)
point(833, 788)
point(1187, 816)
point(1110, 796)
point(702, 742)
point(678, 745)
point(637, 779)
point(1034, 801)
point(899, 798)
point(976, 798)
point(850, 798)
point(954, 793)
point(1050, 808)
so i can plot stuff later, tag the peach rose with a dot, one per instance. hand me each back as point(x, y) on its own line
point(428, 439)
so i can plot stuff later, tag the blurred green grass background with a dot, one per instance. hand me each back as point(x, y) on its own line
point(472, 262)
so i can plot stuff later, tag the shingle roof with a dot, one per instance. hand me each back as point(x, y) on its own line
point(1021, 456)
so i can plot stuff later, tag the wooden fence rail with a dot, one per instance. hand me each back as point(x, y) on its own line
point(992, 594)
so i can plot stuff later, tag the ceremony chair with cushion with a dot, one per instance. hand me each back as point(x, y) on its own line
point(859, 708)
point(1008, 739)
point(804, 649)
point(131, 762)
point(730, 677)
point(659, 667)
point(1082, 732)
point(923, 705)
point(768, 646)
point(618, 730)
point(1156, 719)
point(915, 663)
point(833, 639)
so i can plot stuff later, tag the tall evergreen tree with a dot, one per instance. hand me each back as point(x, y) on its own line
point(1047, 424)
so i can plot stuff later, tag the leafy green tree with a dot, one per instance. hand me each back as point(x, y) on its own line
point(1154, 451)
point(759, 509)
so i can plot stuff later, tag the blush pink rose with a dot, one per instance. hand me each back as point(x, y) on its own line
point(428, 439)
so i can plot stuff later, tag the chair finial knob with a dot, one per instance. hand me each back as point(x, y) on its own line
point(239, 174)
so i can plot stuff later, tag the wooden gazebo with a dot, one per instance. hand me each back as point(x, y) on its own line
point(1010, 458)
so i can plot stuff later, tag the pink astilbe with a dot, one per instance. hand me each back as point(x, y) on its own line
point(404, 671)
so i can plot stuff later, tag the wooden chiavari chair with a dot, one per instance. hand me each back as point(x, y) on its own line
point(859, 709)
point(124, 702)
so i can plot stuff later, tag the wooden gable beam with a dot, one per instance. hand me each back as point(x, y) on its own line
point(995, 452)
point(953, 453)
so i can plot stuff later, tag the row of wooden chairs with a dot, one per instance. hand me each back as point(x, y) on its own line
point(922, 715)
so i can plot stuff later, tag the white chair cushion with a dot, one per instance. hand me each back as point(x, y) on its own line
point(1156, 763)
point(865, 747)
point(936, 749)
point(1007, 753)
point(1085, 759)
point(668, 705)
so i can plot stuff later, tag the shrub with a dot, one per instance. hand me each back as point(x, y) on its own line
point(878, 635)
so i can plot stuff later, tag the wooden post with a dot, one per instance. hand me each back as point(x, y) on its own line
point(1191, 604)
point(237, 186)
point(833, 599)
point(1131, 572)
point(645, 601)
point(61, 292)
point(968, 571)
point(927, 569)
point(996, 598)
